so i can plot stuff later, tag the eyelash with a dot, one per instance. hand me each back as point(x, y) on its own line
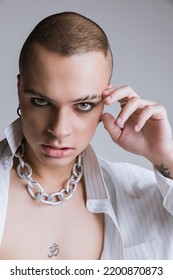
point(92, 106)
point(35, 102)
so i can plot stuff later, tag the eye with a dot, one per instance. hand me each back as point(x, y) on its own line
point(85, 107)
point(39, 102)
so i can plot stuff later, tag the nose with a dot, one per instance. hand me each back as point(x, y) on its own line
point(60, 124)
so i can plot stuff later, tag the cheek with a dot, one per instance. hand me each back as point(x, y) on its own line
point(32, 125)
point(87, 129)
point(89, 123)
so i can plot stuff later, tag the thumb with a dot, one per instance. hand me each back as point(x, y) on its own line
point(110, 125)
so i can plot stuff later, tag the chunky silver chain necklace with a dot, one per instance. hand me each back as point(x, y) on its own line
point(37, 192)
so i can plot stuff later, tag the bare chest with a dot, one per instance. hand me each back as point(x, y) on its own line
point(36, 231)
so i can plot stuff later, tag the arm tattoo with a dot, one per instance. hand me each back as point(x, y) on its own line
point(164, 171)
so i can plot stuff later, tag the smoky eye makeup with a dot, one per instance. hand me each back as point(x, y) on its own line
point(82, 104)
point(40, 102)
point(85, 107)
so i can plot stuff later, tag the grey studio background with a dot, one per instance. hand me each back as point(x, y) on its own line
point(140, 33)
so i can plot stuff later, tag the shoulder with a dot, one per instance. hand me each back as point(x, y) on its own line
point(129, 184)
point(125, 168)
point(3, 144)
point(125, 174)
point(5, 156)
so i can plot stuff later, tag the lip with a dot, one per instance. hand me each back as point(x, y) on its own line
point(57, 151)
point(58, 146)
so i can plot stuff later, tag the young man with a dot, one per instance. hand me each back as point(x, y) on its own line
point(58, 200)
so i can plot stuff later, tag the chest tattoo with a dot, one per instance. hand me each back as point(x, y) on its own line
point(53, 250)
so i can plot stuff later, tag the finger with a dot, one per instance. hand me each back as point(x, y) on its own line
point(113, 95)
point(107, 90)
point(123, 101)
point(134, 104)
point(109, 124)
point(155, 112)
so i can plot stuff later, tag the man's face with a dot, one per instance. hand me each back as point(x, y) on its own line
point(61, 103)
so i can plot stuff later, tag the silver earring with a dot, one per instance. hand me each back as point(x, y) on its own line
point(19, 111)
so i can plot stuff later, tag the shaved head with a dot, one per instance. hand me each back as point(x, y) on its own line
point(66, 34)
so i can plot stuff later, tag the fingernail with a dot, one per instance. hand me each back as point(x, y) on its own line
point(105, 93)
point(120, 122)
point(108, 98)
point(136, 127)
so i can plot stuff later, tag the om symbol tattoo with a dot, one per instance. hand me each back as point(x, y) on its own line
point(54, 250)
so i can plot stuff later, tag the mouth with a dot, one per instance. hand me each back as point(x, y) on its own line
point(57, 151)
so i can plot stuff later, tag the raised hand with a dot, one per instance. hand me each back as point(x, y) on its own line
point(142, 126)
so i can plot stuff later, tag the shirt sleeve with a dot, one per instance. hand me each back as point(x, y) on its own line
point(166, 188)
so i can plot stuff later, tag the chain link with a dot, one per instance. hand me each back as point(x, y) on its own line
point(36, 191)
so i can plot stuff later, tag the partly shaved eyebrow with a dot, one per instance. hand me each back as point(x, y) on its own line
point(39, 94)
point(89, 97)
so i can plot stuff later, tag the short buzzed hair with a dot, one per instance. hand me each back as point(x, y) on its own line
point(67, 34)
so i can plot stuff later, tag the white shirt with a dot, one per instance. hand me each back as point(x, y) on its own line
point(137, 203)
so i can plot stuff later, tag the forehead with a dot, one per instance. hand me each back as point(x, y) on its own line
point(36, 55)
point(50, 69)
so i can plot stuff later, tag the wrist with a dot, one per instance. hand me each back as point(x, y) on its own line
point(165, 166)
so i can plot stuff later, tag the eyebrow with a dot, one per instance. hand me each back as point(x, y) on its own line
point(89, 97)
point(39, 94)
